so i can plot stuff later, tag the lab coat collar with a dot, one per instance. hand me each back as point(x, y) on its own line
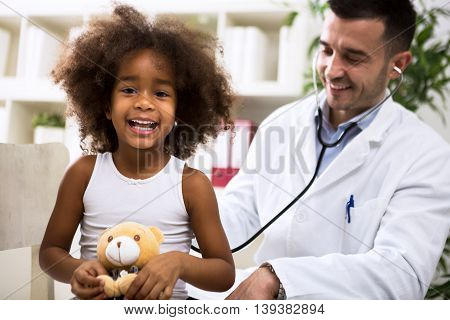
point(305, 140)
point(353, 155)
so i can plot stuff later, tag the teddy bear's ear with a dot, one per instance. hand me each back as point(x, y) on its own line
point(157, 233)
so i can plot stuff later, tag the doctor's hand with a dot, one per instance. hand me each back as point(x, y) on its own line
point(261, 285)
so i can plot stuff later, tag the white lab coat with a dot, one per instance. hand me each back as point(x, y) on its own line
point(398, 170)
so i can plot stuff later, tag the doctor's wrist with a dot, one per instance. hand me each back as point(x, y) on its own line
point(279, 293)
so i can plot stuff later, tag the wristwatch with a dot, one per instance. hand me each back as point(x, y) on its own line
point(281, 292)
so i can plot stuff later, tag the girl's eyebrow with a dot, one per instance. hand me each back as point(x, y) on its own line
point(136, 78)
point(128, 78)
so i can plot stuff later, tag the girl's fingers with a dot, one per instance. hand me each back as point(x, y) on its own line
point(166, 294)
point(97, 270)
point(145, 289)
point(101, 296)
point(156, 292)
point(87, 279)
point(134, 288)
point(84, 292)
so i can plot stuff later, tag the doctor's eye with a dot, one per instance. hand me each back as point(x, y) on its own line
point(327, 51)
point(110, 238)
point(137, 238)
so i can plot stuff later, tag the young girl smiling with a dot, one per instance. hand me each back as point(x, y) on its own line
point(145, 95)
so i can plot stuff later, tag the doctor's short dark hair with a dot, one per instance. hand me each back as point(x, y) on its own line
point(399, 18)
point(89, 64)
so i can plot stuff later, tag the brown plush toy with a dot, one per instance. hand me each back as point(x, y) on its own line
point(123, 250)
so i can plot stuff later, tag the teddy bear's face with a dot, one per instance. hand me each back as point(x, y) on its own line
point(128, 244)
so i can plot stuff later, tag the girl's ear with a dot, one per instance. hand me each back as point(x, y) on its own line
point(108, 112)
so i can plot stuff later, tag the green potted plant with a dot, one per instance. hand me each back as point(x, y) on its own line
point(426, 84)
point(48, 127)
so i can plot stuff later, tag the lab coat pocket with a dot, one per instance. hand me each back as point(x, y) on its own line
point(360, 232)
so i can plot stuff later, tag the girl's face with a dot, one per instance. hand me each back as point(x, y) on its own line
point(143, 100)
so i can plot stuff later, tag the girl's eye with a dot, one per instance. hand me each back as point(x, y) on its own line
point(110, 238)
point(137, 238)
point(161, 94)
point(128, 90)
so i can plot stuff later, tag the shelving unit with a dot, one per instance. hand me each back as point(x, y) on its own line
point(22, 94)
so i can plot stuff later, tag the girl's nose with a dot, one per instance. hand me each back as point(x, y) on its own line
point(144, 103)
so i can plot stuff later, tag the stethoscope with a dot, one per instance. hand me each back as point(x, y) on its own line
point(325, 145)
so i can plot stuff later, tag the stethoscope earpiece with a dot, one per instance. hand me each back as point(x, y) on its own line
point(398, 70)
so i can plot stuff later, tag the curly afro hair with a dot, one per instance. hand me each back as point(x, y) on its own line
point(88, 65)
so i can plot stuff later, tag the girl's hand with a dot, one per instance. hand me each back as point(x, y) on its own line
point(84, 282)
point(157, 278)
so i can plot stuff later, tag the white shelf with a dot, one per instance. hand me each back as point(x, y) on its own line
point(12, 88)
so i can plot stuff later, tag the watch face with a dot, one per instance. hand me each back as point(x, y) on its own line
point(281, 293)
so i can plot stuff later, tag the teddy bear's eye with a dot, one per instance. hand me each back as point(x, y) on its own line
point(110, 238)
point(137, 238)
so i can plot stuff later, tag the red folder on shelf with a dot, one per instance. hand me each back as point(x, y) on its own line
point(231, 149)
point(221, 176)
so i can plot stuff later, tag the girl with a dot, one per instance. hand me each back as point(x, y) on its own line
point(127, 81)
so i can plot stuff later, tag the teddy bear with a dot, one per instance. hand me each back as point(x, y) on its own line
point(123, 250)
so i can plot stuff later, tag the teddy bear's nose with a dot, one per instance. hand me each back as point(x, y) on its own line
point(119, 243)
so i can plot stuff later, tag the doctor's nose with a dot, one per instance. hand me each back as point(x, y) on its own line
point(334, 68)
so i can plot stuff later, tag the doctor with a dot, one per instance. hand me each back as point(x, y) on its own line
point(374, 223)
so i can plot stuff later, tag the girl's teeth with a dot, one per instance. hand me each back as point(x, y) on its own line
point(144, 125)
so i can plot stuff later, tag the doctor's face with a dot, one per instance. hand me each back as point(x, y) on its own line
point(352, 65)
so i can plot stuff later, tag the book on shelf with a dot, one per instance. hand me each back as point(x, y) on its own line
point(233, 52)
point(254, 59)
point(245, 51)
point(5, 38)
point(284, 75)
point(39, 53)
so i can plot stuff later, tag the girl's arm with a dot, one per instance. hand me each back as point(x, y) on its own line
point(54, 255)
point(214, 272)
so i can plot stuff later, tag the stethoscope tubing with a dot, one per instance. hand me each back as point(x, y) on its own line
point(325, 145)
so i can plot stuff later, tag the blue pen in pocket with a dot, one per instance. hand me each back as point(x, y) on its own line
point(350, 204)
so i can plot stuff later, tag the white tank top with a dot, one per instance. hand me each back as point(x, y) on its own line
point(111, 198)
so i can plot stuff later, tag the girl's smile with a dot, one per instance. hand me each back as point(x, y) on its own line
point(143, 126)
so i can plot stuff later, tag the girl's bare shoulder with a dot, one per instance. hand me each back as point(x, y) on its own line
point(80, 171)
